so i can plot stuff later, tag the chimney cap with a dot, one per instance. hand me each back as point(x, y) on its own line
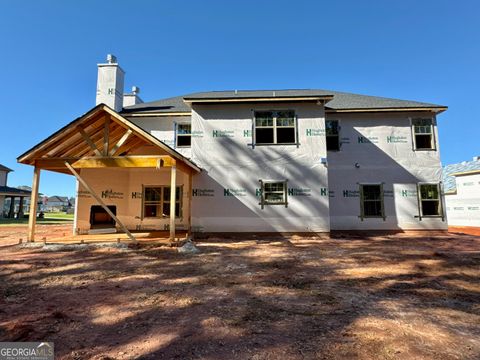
point(111, 59)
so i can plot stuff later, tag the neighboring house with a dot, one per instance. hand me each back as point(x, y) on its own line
point(57, 203)
point(251, 161)
point(12, 200)
point(462, 193)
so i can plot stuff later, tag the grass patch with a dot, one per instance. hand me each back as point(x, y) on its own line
point(50, 218)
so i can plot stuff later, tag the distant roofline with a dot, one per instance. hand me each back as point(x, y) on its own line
point(465, 173)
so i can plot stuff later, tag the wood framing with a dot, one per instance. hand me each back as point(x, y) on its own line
point(100, 201)
point(173, 192)
point(32, 217)
point(137, 161)
point(101, 132)
point(104, 139)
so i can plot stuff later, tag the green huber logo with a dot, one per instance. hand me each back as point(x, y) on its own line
point(203, 192)
point(247, 133)
point(408, 193)
point(351, 193)
point(397, 139)
point(234, 192)
point(367, 140)
point(473, 208)
point(297, 192)
point(223, 133)
point(197, 134)
point(315, 132)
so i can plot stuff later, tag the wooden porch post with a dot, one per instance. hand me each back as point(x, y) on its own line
point(32, 216)
point(173, 193)
point(189, 197)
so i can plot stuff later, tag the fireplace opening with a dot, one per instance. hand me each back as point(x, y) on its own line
point(99, 218)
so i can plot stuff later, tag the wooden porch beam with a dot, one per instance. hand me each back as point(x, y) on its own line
point(107, 162)
point(89, 141)
point(106, 135)
point(120, 142)
point(100, 201)
point(32, 216)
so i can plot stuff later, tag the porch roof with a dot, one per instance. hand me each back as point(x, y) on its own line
point(101, 132)
point(10, 191)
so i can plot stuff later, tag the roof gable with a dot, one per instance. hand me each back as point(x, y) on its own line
point(85, 136)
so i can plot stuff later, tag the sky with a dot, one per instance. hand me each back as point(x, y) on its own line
point(418, 50)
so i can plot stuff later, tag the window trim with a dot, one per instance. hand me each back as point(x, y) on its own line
point(263, 202)
point(162, 202)
point(362, 204)
point(274, 127)
point(326, 136)
point(414, 139)
point(182, 135)
point(440, 201)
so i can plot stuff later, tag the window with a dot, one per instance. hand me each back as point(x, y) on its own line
point(275, 127)
point(423, 138)
point(184, 135)
point(156, 201)
point(333, 135)
point(371, 201)
point(429, 198)
point(273, 193)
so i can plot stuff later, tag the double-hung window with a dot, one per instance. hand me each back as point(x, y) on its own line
point(275, 127)
point(183, 135)
point(273, 192)
point(423, 134)
point(332, 134)
point(156, 201)
point(429, 200)
point(371, 201)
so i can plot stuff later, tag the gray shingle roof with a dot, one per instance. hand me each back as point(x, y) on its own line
point(449, 180)
point(340, 101)
point(11, 190)
point(4, 168)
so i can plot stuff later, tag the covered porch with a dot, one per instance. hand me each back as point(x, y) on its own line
point(12, 194)
point(124, 178)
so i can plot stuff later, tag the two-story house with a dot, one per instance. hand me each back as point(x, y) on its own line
point(250, 161)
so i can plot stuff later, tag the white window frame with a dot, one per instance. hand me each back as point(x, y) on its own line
point(161, 202)
point(274, 127)
point(177, 134)
point(326, 135)
point(362, 202)
point(440, 200)
point(264, 201)
point(432, 134)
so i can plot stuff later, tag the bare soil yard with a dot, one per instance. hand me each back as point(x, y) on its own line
point(381, 297)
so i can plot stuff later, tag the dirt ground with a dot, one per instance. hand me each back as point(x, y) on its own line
point(349, 297)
